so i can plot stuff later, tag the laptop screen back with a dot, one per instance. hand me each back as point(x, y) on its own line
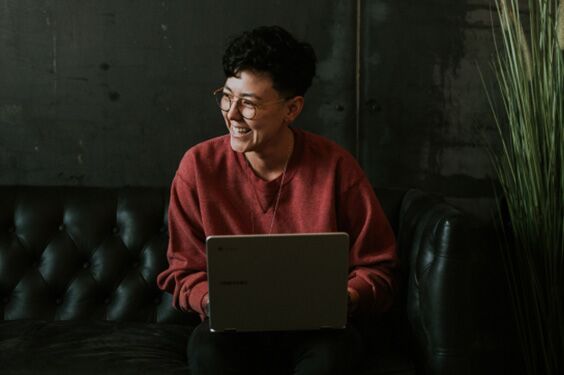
point(277, 282)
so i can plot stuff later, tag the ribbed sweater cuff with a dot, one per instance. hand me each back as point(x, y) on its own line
point(197, 295)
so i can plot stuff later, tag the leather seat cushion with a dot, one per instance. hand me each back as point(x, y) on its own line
point(86, 347)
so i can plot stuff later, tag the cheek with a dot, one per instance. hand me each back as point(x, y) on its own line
point(266, 124)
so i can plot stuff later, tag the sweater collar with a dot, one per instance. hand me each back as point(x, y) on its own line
point(266, 191)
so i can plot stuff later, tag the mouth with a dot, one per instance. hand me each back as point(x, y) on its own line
point(239, 130)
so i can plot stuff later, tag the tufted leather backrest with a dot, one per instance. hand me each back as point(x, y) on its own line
point(84, 254)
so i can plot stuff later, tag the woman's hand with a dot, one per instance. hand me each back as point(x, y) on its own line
point(353, 300)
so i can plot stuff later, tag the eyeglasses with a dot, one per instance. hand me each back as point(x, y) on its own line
point(246, 107)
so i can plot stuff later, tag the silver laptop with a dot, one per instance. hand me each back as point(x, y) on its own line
point(277, 282)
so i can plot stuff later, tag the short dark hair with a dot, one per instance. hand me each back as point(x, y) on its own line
point(272, 50)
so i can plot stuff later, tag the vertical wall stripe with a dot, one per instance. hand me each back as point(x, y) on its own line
point(357, 78)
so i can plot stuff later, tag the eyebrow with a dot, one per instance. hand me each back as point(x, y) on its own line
point(244, 95)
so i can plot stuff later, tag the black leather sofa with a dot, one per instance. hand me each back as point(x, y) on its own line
point(78, 293)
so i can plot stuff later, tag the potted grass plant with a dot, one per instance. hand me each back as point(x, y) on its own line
point(529, 72)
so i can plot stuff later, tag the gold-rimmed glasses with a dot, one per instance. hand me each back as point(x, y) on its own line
point(246, 107)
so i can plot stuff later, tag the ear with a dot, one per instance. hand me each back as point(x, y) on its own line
point(294, 107)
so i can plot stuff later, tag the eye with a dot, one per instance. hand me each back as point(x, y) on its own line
point(247, 103)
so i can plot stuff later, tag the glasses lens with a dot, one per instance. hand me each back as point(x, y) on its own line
point(222, 100)
point(247, 112)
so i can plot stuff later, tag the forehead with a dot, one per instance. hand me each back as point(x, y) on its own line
point(252, 84)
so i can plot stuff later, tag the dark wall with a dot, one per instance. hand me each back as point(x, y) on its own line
point(112, 93)
point(425, 119)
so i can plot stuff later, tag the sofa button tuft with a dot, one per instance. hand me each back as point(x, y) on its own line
point(86, 265)
point(61, 227)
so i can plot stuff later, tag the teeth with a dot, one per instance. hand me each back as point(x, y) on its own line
point(239, 130)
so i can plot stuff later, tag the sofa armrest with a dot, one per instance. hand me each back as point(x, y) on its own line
point(440, 261)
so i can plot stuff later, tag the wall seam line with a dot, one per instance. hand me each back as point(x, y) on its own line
point(357, 78)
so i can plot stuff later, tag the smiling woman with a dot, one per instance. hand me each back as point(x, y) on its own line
point(265, 177)
point(264, 137)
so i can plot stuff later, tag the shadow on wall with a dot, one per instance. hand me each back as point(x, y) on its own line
point(422, 102)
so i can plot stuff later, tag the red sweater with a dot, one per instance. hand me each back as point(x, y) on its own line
point(216, 192)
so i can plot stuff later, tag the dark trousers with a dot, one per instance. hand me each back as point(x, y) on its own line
point(300, 352)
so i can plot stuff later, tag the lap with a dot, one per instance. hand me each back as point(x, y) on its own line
point(302, 352)
point(325, 352)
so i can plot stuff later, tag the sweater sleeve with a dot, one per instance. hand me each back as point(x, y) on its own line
point(186, 277)
point(373, 258)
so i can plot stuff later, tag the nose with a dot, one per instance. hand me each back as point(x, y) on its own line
point(234, 113)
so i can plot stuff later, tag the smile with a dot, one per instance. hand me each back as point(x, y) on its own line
point(238, 130)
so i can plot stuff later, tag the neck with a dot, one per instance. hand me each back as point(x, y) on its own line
point(271, 164)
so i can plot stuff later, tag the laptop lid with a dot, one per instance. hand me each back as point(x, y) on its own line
point(277, 282)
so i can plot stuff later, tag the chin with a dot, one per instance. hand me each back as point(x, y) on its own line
point(238, 147)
